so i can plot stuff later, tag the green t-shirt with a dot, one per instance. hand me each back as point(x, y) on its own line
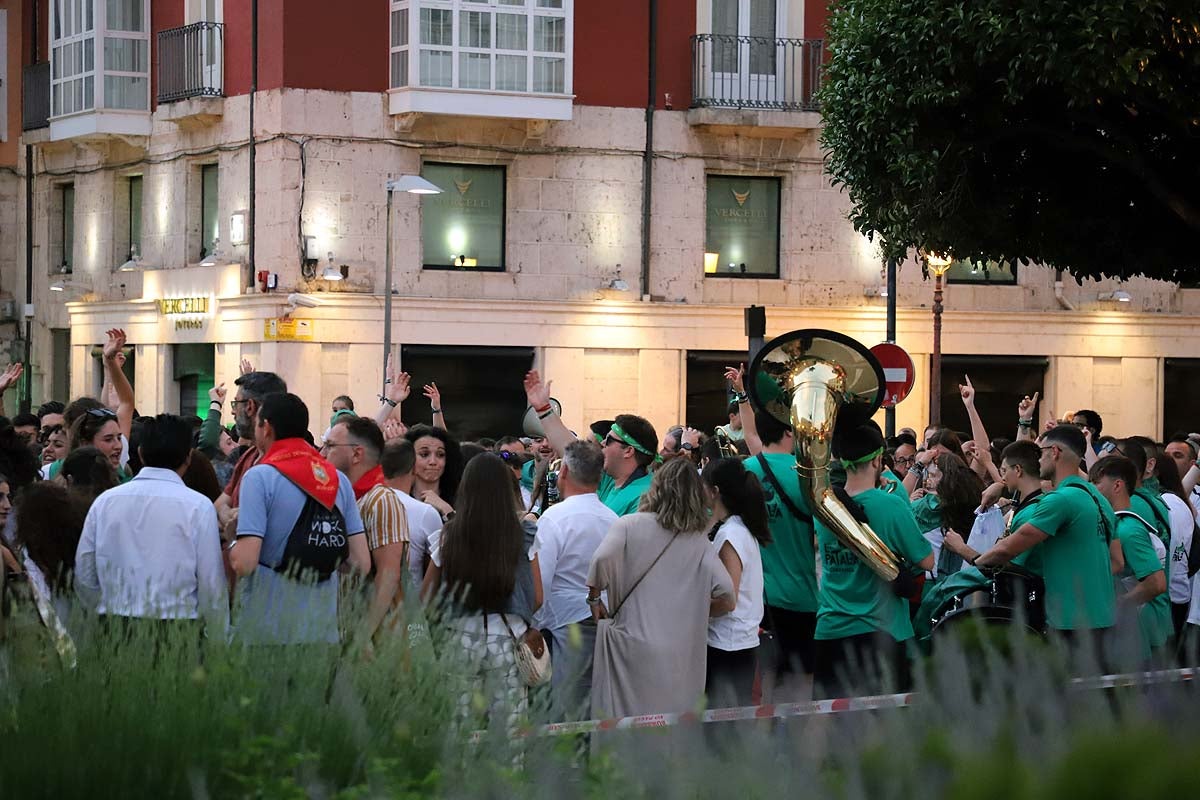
point(624, 500)
point(1031, 559)
point(928, 513)
point(854, 600)
point(1075, 560)
point(1149, 506)
point(527, 474)
point(1141, 561)
point(789, 562)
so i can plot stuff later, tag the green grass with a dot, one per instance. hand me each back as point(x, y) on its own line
point(230, 722)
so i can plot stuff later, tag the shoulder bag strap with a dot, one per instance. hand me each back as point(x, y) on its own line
point(1108, 534)
point(638, 582)
point(783, 496)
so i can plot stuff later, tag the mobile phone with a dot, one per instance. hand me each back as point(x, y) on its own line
point(1108, 448)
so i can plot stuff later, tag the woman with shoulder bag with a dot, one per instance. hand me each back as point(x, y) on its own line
point(664, 580)
point(491, 590)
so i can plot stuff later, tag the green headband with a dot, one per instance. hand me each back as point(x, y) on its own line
point(854, 462)
point(629, 440)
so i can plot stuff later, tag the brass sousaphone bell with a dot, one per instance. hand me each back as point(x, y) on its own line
point(812, 380)
point(532, 426)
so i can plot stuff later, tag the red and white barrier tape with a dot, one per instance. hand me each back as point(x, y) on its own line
point(815, 707)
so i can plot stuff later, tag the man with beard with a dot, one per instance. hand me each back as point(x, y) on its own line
point(252, 387)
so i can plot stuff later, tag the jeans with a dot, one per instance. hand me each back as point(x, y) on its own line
point(571, 650)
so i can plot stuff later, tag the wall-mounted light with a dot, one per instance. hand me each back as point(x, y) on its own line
point(237, 228)
point(617, 284)
point(214, 256)
point(1119, 296)
point(331, 273)
point(875, 291)
point(711, 262)
point(413, 184)
point(464, 261)
point(134, 262)
point(69, 286)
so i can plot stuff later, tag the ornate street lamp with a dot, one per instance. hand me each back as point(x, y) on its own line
point(939, 264)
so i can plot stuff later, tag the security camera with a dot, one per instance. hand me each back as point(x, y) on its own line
point(296, 299)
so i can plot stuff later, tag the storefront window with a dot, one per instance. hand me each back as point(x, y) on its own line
point(1181, 385)
point(463, 227)
point(997, 380)
point(990, 272)
point(708, 393)
point(480, 386)
point(194, 371)
point(743, 227)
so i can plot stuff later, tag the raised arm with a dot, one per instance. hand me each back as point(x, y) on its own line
point(114, 373)
point(396, 387)
point(435, 405)
point(737, 379)
point(8, 379)
point(537, 394)
point(978, 432)
point(1025, 421)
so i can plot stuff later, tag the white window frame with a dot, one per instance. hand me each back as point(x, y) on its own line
point(94, 115)
point(413, 96)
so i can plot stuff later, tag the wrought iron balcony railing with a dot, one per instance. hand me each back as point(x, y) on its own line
point(756, 72)
point(191, 62)
point(35, 96)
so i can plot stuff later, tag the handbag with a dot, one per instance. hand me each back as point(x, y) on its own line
point(533, 658)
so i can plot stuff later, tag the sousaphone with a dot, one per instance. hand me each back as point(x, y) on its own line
point(812, 380)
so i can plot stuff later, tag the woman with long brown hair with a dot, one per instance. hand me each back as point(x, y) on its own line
point(489, 588)
point(663, 581)
point(952, 493)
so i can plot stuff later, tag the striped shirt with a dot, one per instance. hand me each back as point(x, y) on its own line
point(383, 516)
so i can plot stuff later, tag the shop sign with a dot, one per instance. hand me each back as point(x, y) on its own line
point(288, 330)
point(188, 312)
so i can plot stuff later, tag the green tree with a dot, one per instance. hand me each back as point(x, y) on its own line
point(1065, 132)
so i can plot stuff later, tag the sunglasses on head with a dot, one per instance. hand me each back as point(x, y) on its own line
point(102, 413)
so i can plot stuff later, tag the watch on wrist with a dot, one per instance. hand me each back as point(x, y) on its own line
point(593, 601)
point(687, 447)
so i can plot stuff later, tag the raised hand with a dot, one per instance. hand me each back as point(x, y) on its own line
point(967, 391)
point(690, 436)
point(10, 376)
point(398, 384)
point(435, 397)
point(246, 367)
point(217, 393)
point(737, 378)
point(1027, 406)
point(116, 341)
point(394, 429)
point(537, 394)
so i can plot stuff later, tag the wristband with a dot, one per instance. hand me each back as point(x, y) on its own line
point(216, 403)
point(544, 408)
point(593, 601)
point(549, 413)
point(740, 397)
point(390, 402)
point(435, 410)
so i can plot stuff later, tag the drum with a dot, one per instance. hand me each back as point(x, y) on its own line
point(1007, 596)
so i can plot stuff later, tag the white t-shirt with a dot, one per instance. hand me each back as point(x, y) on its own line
point(738, 630)
point(1178, 584)
point(936, 539)
point(567, 537)
point(423, 522)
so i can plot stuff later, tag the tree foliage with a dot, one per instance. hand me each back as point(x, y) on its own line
point(1064, 132)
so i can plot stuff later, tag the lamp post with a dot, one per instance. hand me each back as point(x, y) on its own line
point(939, 264)
point(413, 184)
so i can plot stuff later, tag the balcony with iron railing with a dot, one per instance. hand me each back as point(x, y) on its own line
point(35, 96)
point(755, 73)
point(191, 62)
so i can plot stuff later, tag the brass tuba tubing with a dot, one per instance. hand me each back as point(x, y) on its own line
point(817, 387)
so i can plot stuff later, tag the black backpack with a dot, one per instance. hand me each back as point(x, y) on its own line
point(317, 544)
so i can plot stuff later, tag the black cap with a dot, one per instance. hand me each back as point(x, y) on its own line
point(601, 427)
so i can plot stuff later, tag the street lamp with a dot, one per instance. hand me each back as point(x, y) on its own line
point(939, 264)
point(412, 184)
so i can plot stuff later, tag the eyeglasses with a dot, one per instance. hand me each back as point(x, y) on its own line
point(236, 403)
point(613, 440)
point(327, 445)
point(906, 460)
point(102, 413)
point(1049, 447)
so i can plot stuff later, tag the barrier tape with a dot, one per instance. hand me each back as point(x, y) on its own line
point(814, 707)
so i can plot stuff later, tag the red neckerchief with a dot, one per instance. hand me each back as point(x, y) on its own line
point(304, 467)
point(368, 482)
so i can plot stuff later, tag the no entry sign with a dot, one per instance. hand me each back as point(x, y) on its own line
point(898, 372)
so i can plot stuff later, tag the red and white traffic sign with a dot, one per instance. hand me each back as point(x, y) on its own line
point(899, 374)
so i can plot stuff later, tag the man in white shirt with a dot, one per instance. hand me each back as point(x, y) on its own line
point(424, 521)
point(567, 537)
point(150, 548)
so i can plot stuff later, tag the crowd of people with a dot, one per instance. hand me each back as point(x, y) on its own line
point(613, 572)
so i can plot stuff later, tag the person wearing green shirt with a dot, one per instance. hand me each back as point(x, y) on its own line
point(1144, 580)
point(629, 451)
point(1145, 499)
point(862, 623)
point(1075, 527)
point(789, 561)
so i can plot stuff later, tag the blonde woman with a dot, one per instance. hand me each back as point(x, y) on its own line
point(663, 581)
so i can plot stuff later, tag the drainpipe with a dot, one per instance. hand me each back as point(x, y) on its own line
point(648, 154)
point(1058, 291)
point(253, 150)
point(27, 388)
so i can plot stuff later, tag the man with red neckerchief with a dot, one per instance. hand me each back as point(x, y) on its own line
point(276, 606)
